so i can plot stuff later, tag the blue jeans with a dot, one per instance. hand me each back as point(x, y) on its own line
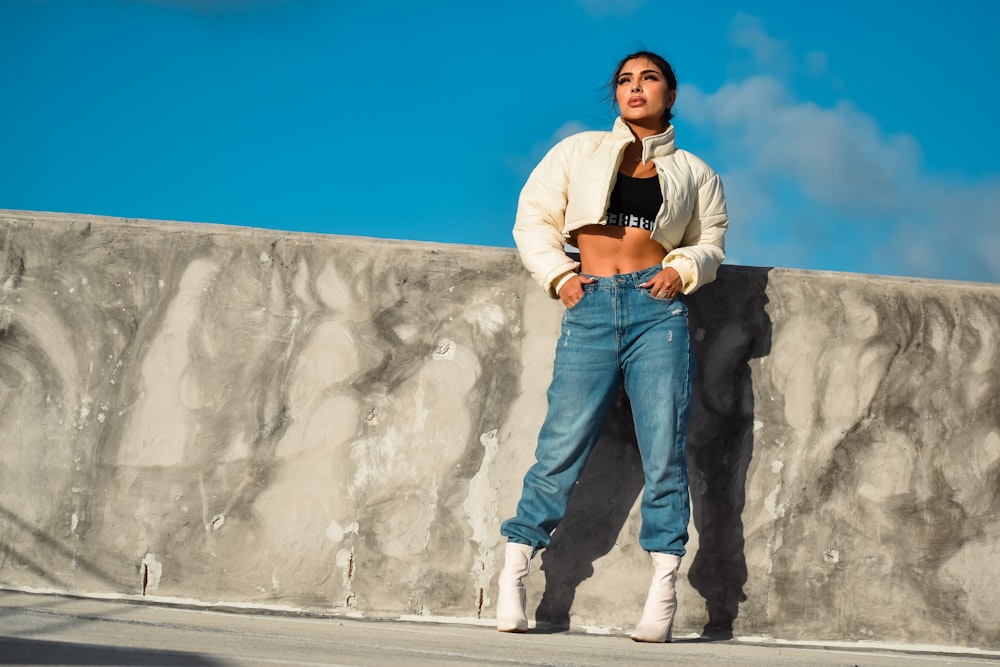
point(617, 333)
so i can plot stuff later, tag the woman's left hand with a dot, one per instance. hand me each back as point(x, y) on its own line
point(664, 285)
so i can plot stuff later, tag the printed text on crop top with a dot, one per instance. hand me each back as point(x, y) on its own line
point(635, 202)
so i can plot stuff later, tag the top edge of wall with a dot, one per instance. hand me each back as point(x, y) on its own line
point(9, 215)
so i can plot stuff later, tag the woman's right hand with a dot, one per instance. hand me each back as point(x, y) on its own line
point(572, 291)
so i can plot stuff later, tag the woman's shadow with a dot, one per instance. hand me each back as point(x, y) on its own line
point(729, 326)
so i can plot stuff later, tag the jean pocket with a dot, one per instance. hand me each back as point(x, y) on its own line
point(584, 296)
point(650, 295)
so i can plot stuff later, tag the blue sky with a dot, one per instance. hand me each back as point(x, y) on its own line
point(854, 136)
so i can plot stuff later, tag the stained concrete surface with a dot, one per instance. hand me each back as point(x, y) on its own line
point(338, 425)
point(50, 630)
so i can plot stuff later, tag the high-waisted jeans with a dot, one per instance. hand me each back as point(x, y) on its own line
point(617, 333)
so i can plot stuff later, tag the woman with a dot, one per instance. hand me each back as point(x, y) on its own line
point(648, 220)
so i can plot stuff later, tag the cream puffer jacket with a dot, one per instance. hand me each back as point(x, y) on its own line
point(571, 187)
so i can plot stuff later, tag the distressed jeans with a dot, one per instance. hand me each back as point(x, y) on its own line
point(618, 333)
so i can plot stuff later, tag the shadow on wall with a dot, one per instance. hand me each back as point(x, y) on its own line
point(730, 327)
point(727, 331)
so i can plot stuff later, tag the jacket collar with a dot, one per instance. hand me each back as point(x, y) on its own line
point(658, 145)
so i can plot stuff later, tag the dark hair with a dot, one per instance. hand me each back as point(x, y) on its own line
point(661, 64)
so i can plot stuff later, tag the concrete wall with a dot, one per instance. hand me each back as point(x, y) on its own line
point(340, 424)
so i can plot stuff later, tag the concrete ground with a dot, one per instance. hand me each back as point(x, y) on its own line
point(56, 630)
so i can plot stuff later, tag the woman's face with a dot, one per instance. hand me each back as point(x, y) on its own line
point(643, 94)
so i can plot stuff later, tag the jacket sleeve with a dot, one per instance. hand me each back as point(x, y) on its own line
point(703, 246)
point(538, 226)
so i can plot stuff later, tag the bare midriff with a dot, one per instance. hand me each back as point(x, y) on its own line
point(606, 250)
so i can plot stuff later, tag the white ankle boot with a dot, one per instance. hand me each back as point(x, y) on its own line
point(511, 599)
point(661, 602)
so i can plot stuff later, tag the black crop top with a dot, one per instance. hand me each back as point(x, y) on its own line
point(635, 202)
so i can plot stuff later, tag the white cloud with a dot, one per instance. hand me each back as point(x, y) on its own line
point(565, 130)
point(768, 55)
point(816, 63)
point(952, 230)
point(838, 156)
point(522, 165)
point(747, 32)
point(827, 188)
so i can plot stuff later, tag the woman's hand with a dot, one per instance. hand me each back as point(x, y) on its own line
point(571, 293)
point(664, 285)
